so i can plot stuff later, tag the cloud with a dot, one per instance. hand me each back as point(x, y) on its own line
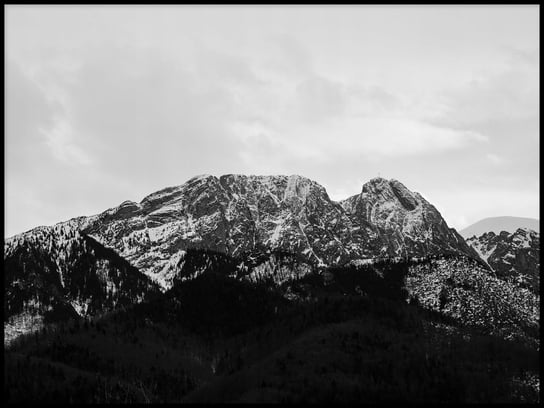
point(494, 159)
point(60, 140)
point(521, 56)
point(27, 110)
point(130, 108)
point(362, 137)
point(287, 56)
point(511, 94)
point(141, 114)
point(374, 99)
point(230, 69)
point(461, 207)
point(317, 97)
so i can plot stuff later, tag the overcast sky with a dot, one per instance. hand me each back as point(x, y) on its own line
point(105, 104)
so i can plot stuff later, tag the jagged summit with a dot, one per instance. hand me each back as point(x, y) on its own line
point(290, 185)
point(392, 190)
point(514, 256)
point(238, 214)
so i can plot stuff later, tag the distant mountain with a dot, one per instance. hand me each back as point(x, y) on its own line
point(513, 256)
point(498, 224)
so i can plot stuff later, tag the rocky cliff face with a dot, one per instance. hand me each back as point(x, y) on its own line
point(242, 215)
point(234, 215)
point(399, 222)
point(514, 257)
point(239, 215)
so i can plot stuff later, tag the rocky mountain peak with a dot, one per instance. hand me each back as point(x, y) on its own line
point(401, 222)
point(239, 215)
point(513, 256)
point(391, 191)
point(526, 232)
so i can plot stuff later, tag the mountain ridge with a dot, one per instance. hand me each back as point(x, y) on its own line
point(237, 214)
point(512, 256)
point(498, 224)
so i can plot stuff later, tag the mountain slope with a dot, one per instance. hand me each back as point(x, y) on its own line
point(348, 336)
point(469, 293)
point(498, 224)
point(514, 257)
point(56, 273)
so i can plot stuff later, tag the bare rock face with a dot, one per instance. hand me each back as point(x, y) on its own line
point(515, 257)
point(405, 196)
point(233, 214)
point(241, 216)
point(398, 222)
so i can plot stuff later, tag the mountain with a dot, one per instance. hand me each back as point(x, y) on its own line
point(261, 288)
point(400, 222)
point(514, 257)
point(498, 224)
point(244, 215)
point(54, 274)
point(275, 228)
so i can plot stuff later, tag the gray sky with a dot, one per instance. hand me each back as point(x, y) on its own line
point(109, 103)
